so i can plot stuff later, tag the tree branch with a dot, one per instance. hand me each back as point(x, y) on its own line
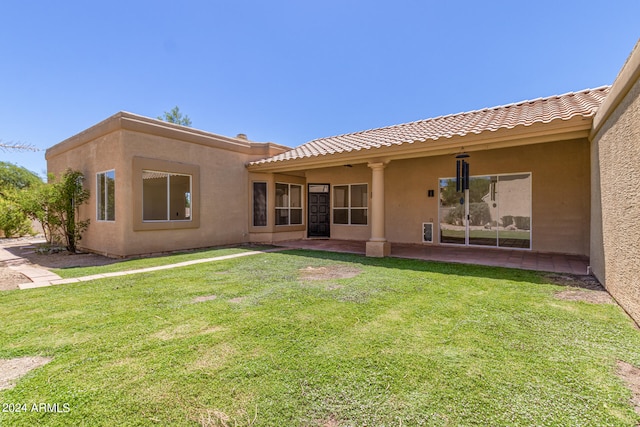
point(17, 146)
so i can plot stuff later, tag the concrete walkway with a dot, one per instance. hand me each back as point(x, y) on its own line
point(41, 277)
point(60, 281)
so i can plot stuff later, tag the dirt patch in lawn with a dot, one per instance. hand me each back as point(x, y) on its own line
point(588, 288)
point(329, 272)
point(594, 297)
point(205, 298)
point(10, 279)
point(330, 422)
point(62, 259)
point(631, 376)
point(184, 331)
point(11, 370)
point(575, 281)
point(24, 251)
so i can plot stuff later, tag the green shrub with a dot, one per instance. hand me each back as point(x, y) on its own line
point(13, 221)
point(507, 220)
point(522, 222)
point(479, 214)
point(455, 215)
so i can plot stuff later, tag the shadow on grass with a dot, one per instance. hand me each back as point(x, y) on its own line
point(68, 261)
point(458, 269)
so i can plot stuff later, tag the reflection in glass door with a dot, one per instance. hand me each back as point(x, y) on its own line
point(452, 222)
point(482, 196)
point(514, 211)
point(495, 212)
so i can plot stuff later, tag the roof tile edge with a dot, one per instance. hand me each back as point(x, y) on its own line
point(605, 88)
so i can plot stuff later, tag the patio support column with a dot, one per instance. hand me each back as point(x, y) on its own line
point(377, 246)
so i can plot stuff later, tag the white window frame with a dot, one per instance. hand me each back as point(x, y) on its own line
point(289, 208)
point(168, 174)
point(349, 208)
point(101, 180)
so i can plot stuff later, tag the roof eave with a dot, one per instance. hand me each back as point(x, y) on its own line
point(627, 77)
point(141, 124)
point(558, 130)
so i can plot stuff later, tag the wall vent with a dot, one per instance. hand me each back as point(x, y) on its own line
point(427, 232)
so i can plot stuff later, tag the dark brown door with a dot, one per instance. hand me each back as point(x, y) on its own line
point(319, 211)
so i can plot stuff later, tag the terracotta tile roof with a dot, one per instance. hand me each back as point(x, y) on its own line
point(542, 110)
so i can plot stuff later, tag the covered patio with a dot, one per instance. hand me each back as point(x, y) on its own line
point(510, 258)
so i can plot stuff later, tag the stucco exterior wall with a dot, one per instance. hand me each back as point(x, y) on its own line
point(560, 192)
point(355, 174)
point(104, 153)
point(272, 232)
point(559, 195)
point(129, 144)
point(615, 242)
point(220, 199)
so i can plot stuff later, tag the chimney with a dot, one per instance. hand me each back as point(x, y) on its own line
point(242, 136)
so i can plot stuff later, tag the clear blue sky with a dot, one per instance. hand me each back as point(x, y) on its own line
point(292, 71)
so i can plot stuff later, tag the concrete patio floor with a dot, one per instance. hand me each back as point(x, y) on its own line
point(511, 258)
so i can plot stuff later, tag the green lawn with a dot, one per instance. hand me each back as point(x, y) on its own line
point(136, 263)
point(403, 343)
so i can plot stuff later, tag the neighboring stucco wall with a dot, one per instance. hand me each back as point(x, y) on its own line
point(615, 240)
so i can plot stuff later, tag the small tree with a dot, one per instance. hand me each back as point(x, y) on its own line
point(35, 202)
point(175, 116)
point(68, 195)
point(55, 205)
point(13, 221)
point(14, 177)
point(13, 180)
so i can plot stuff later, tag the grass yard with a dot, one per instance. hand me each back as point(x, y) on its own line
point(136, 263)
point(301, 338)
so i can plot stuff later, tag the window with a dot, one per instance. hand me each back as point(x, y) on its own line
point(288, 204)
point(259, 204)
point(106, 196)
point(350, 204)
point(166, 196)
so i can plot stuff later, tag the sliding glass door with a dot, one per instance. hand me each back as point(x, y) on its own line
point(495, 211)
point(514, 211)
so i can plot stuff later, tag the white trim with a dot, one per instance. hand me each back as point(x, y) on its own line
point(165, 174)
point(106, 196)
point(289, 208)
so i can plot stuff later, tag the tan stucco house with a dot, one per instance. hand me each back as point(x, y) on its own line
point(557, 175)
